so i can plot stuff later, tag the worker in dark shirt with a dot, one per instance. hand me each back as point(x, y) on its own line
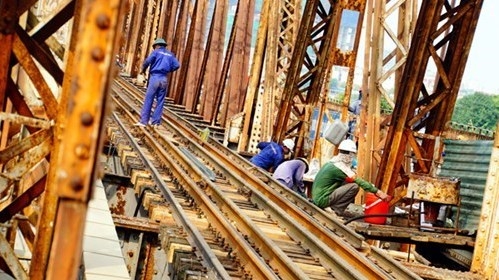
point(272, 154)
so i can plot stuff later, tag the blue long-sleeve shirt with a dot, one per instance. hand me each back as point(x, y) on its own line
point(270, 156)
point(161, 61)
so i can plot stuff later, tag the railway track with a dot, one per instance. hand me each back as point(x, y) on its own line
point(240, 223)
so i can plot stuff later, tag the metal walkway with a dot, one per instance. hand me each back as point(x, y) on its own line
point(102, 255)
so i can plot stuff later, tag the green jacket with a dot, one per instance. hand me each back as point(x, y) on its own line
point(328, 179)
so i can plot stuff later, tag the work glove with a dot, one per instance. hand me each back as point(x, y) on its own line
point(383, 196)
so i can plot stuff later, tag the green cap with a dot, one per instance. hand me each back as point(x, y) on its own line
point(159, 41)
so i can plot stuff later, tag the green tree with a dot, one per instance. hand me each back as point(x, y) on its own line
point(479, 110)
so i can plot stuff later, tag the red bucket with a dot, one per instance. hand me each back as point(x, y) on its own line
point(375, 205)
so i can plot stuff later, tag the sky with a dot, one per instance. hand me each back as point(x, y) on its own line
point(481, 72)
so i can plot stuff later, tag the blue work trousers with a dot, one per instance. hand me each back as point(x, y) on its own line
point(156, 89)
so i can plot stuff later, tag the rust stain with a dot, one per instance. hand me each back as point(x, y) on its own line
point(119, 207)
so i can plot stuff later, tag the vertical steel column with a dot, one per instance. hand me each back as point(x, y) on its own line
point(214, 62)
point(133, 63)
point(310, 66)
point(189, 72)
point(253, 105)
point(418, 106)
point(170, 14)
point(178, 47)
point(77, 141)
point(278, 30)
point(382, 65)
point(237, 79)
point(198, 51)
point(271, 97)
point(146, 35)
point(486, 255)
point(8, 12)
point(180, 90)
point(221, 89)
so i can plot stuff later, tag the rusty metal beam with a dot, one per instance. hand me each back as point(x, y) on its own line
point(170, 14)
point(198, 50)
point(221, 89)
point(440, 26)
point(41, 54)
point(235, 90)
point(183, 91)
point(8, 11)
point(44, 30)
point(27, 63)
point(133, 64)
point(178, 46)
point(80, 111)
point(203, 69)
point(146, 34)
point(134, 223)
point(10, 258)
point(279, 22)
point(252, 107)
point(23, 200)
point(215, 59)
point(485, 255)
point(313, 57)
point(382, 64)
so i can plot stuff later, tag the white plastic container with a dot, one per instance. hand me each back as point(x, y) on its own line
point(336, 132)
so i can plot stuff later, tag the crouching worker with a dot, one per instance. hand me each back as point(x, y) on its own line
point(336, 184)
point(290, 173)
point(272, 154)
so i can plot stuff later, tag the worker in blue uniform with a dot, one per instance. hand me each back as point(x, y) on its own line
point(161, 62)
point(272, 154)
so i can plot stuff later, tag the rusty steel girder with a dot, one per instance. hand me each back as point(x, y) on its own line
point(433, 189)
point(212, 79)
point(50, 121)
point(384, 62)
point(444, 33)
point(315, 53)
point(277, 33)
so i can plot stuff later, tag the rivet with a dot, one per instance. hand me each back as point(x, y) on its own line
point(76, 183)
point(97, 54)
point(86, 118)
point(82, 151)
point(103, 21)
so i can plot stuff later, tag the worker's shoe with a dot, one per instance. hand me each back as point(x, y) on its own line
point(335, 212)
point(139, 124)
point(328, 209)
point(154, 124)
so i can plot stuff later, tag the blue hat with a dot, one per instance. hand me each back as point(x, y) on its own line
point(159, 41)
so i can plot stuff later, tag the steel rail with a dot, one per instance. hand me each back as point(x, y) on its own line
point(278, 260)
point(327, 247)
point(331, 250)
point(396, 269)
point(331, 255)
point(255, 265)
point(185, 128)
point(197, 240)
point(275, 194)
point(225, 209)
